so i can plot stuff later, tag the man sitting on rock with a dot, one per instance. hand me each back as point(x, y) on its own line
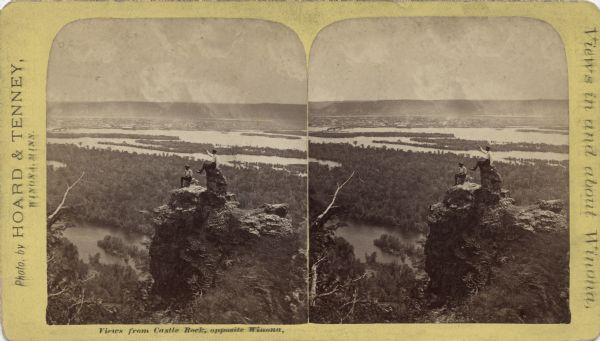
point(186, 179)
point(212, 164)
point(461, 175)
point(487, 161)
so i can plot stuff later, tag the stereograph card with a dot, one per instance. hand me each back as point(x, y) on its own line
point(300, 170)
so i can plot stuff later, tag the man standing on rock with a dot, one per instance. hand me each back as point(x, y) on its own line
point(212, 164)
point(461, 175)
point(187, 176)
point(488, 158)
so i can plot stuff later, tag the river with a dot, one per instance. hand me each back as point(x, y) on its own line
point(55, 164)
point(229, 138)
point(495, 135)
point(219, 138)
point(361, 237)
point(86, 236)
point(328, 163)
point(237, 138)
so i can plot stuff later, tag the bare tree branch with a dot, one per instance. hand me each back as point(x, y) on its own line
point(353, 302)
point(317, 223)
point(331, 292)
point(54, 216)
point(313, 280)
point(320, 217)
point(359, 277)
point(83, 301)
point(58, 293)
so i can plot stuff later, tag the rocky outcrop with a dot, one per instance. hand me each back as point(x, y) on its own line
point(490, 178)
point(479, 240)
point(197, 230)
point(551, 205)
point(278, 209)
point(204, 242)
point(215, 181)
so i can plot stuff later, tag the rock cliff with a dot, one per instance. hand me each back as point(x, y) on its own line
point(490, 179)
point(484, 252)
point(205, 247)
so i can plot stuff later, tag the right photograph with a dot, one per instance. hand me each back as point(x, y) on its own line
point(439, 172)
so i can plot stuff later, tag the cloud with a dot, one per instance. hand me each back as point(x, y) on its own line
point(171, 60)
point(437, 58)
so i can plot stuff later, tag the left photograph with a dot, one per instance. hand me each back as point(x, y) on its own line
point(176, 173)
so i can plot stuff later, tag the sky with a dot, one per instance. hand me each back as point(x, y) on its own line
point(438, 58)
point(177, 60)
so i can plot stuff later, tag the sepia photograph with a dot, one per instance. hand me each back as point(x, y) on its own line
point(299, 170)
point(176, 173)
point(439, 172)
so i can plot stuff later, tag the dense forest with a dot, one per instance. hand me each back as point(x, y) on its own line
point(119, 187)
point(79, 291)
point(117, 247)
point(462, 144)
point(92, 292)
point(448, 141)
point(191, 147)
point(391, 187)
point(346, 290)
point(287, 132)
point(549, 130)
point(329, 134)
point(393, 245)
point(396, 187)
point(273, 135)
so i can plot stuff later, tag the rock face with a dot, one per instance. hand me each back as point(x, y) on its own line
point(490, 178)
point(551, 205)
point(205, 247)
point(480, 241)
point(278, 209)
point(215, 181)
point(195, 233)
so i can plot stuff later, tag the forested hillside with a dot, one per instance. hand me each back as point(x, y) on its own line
point(119, 186)
point(396, 187)
point(519, 244)
point(127, 191)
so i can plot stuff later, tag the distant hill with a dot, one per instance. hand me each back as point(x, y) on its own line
point(553, 109)
point(292, 113)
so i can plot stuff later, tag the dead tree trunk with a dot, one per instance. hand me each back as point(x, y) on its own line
point(317, 224)
point(53, 217)
point(322, 218)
